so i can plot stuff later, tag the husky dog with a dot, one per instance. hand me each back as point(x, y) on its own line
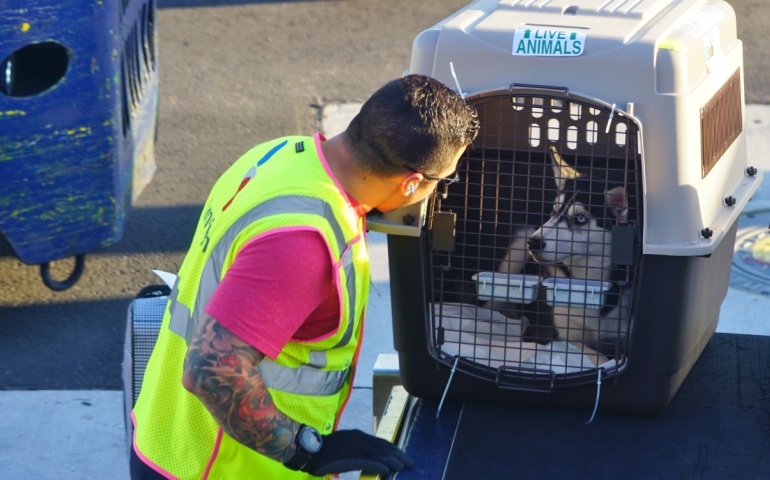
point(578, 239)
point(538, 316)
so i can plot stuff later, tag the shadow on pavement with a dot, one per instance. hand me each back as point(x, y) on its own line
point(147, 230)
point(81, 347)
point(222, 3)
point(158, 229)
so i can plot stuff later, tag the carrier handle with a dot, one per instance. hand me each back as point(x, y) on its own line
point(503, 385)
point(548, 91)
point(58, 286)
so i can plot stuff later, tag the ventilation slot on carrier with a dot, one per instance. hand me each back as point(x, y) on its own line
point(137, 62)
point(721, 122)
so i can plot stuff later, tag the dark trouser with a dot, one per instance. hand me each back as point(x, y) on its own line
point(140, 470)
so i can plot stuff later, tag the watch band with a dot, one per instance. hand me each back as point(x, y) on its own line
point(302, 455)
point(299, 459)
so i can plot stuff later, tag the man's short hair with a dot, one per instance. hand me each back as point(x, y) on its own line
point(414, 120)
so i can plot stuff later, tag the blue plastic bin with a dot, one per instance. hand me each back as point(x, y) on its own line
point(78, 113)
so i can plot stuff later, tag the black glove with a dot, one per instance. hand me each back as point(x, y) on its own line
point(350, 450)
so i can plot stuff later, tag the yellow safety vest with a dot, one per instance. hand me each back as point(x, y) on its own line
point(281, 184)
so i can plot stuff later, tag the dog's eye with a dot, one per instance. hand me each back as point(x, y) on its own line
point(581, 219)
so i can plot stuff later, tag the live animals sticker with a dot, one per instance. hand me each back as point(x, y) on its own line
point(548, 42)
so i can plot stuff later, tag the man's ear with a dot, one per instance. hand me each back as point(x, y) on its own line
point(410, 182)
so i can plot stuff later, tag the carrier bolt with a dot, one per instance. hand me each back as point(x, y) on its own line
point(730, 201)
point(408, 219)
point(707, 233)
point(751, 171)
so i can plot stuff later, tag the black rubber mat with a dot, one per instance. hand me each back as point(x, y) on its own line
point(716, 427)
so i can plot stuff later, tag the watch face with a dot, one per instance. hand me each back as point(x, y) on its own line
point(310, 439)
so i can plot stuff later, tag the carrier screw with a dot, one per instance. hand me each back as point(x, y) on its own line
point(408, 219)
point(707, 233)
point(730, 201)
point(751, 171)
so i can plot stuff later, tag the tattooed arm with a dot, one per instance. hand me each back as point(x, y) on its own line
point(220, 369)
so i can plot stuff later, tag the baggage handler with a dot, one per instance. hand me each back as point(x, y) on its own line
point(259, 342)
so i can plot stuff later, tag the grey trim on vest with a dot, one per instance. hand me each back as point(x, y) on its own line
point(179, 320)
point(350, 275)
point(307, 379)
point(317, 359)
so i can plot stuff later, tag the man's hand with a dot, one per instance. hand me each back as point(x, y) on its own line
point(350, 450)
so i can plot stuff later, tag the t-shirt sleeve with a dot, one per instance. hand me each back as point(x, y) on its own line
point(274, 284)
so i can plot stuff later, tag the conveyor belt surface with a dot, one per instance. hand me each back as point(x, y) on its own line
point(717, 427)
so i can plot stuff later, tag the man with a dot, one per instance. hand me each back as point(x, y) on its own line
point(256, 354)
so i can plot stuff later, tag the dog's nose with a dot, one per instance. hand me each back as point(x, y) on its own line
point(535, 244)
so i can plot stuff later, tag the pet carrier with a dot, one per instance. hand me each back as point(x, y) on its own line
point(143, 322)
point(590, 238)
point(78, 100)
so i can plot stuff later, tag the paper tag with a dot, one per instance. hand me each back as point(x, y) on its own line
point(715, 58)
point(700, 21)
point(168, 278)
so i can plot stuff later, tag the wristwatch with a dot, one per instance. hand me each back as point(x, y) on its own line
point(308, 442)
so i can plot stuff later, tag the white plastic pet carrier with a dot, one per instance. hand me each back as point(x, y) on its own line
point(591, 234)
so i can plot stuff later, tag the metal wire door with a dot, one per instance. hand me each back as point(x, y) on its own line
point(534, 254)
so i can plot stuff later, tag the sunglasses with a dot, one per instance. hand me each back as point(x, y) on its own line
point(455, 177)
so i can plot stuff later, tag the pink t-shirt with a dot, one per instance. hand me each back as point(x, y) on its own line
point(279, 287)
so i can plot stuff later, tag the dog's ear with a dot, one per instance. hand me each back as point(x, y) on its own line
point(562, 171)
point(616, 202)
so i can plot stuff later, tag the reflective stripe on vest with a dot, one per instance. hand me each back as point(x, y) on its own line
point(307, 379)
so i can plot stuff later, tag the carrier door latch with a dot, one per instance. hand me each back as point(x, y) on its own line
point(443, 231)
point(622, 245)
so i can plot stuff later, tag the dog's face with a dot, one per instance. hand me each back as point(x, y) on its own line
point(581, 224)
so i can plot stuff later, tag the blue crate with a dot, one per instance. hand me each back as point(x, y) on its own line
point(78, 113)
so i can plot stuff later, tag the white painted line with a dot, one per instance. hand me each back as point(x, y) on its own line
point(335, 118)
